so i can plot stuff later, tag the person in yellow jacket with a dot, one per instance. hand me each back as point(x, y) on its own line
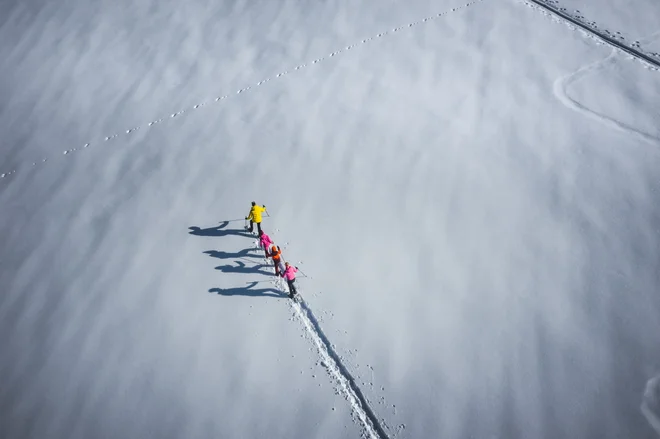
point(255, 216)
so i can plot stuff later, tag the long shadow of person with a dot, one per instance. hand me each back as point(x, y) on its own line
point(249, 292)
point(226, 255)
point(219, 231)
point(240, 267)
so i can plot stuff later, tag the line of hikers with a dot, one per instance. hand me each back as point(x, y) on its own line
point(286, 270)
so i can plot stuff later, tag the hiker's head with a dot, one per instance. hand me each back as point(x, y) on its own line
point(254, 204)
point(261, 232)
point(286, 264)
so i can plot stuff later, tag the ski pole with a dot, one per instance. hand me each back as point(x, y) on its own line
point(301, 272)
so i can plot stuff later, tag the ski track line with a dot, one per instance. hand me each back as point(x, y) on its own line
point(247, 88)
point(333, 364)
point(560, 91)
point(551, 7)
point(336, 369)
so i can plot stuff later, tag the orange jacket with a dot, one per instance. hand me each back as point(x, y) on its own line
point(275, 253)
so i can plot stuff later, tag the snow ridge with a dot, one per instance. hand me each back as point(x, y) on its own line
point(333, 364)
point(247, 88)
point(548, 5)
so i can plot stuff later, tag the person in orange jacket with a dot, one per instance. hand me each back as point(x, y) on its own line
point(255, 216)
point(276, 255)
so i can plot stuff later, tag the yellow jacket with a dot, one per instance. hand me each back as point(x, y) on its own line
point(255, 213)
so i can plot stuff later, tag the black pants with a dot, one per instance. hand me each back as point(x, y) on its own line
point(292, 287)
point(252, 226)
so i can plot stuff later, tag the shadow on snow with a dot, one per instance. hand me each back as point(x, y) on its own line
point(240, 267)
point(226, 255)
point(250, 292)
point(219, 231)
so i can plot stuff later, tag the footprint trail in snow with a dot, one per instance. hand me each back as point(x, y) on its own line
point(248, 88)
point(331, 361)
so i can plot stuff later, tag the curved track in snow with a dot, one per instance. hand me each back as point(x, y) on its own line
point(560, 90)
point(651, 403)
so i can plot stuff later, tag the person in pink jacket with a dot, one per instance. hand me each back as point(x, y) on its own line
point(265, 242)
point(290, 276)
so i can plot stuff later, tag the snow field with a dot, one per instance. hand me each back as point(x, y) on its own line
point(484, 255)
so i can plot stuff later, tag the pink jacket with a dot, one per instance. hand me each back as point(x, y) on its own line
point(290, 273)
point(265, 241)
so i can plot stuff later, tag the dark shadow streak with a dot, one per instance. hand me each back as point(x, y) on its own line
point(240, 267)
point(219, 231)
point(597, 33)
point(226, 255)
point(249, 292)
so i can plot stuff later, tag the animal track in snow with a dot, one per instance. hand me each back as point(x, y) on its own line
point(262, 82)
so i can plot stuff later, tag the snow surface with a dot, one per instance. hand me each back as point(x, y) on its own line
point(651, 403)
point(471, 189)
